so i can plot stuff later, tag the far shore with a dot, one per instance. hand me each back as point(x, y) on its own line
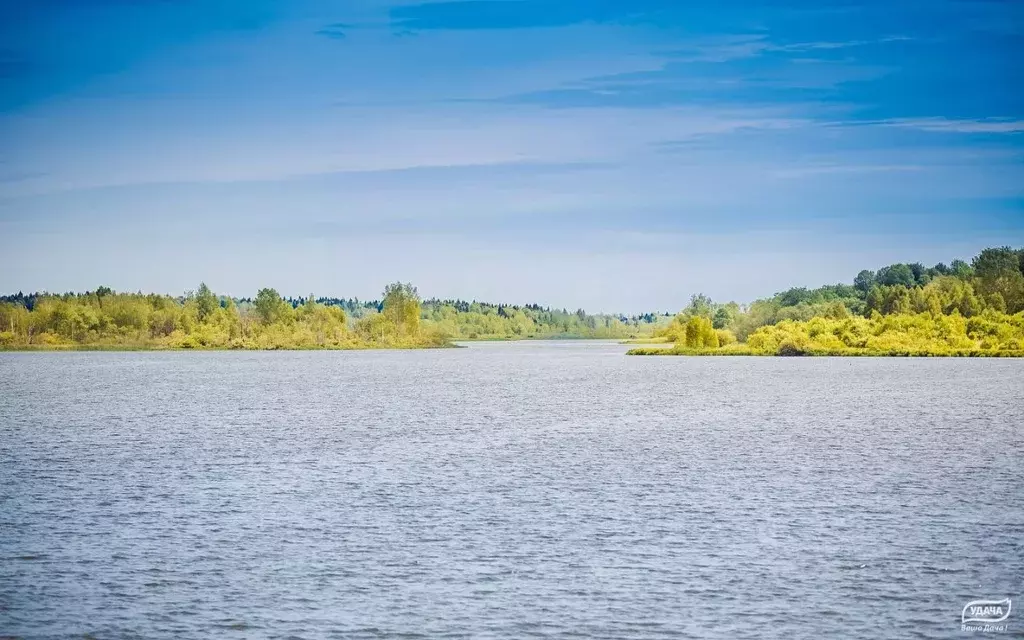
point(162, 348)
point(742, 350)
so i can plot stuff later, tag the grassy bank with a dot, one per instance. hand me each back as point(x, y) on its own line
point(658, 340)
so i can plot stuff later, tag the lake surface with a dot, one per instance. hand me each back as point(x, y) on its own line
point(506, 490)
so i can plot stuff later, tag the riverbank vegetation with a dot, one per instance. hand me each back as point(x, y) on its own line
point(974, 308)
point(482, 321)
point(202, 320)
point(962, 309)
point(105, 319)
point(465, 320)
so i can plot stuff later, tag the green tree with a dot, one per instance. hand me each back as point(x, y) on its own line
point(206, 302)
point(996, 301)
point(921, 276)
point(960, 269)
point(896, 274)
point(897, 300)
point(268, 305)
point(700, 305)
point(722, 318)
point(401, 307)
point(995, 263)
point(233, 319)
point(875, 300)
point(700, 333)
point(997, 271)
point(837, 311)
point(864, 281)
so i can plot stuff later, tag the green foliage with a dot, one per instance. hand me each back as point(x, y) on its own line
point(897, 274)
point(700, 305)
point(483, 321)
point(197, 321)
point(960, 269)
point(723, 317)
point(202, 320)
point(700, 333)
point(269, 306)
point(725, 337)
point(401, 307)
point(987, 295)
point(990, 333)
point(999, 272)
point(872, 316)
point(864, 281)
point(898, 334)
point(206, 302)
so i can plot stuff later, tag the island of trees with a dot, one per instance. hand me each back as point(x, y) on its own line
point(960, 309)
point(967, 309)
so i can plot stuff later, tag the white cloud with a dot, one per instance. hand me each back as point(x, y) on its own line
point(950, 125)
point(819, 169)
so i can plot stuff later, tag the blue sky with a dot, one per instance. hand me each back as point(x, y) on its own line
point(612, 155)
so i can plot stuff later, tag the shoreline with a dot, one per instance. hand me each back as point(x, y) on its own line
point(830, 353)
point(132, 348)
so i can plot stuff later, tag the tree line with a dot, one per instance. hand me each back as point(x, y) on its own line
point(957, 307)
point(974, 308)
point(202, 319)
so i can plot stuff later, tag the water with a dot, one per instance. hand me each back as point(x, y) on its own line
point(506, 491)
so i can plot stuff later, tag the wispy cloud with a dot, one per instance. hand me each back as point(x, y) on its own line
point(721, 48)
point(728, 69)
point(728, 48)
point(824, 169)
point(830, 45)
point(950, 125)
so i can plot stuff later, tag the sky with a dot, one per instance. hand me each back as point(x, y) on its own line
point(614, 155)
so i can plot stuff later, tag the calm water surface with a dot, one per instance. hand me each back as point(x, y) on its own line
point(506, 491)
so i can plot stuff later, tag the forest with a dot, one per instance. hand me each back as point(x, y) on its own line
point(960, 309)
point(974, 308)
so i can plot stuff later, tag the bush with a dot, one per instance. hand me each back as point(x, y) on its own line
point(899, 334)
point(48, 339)
point(700, 333)
point(180, 340)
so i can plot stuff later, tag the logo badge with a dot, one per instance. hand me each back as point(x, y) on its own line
point(986, 611)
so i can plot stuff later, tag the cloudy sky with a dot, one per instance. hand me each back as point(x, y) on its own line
point(616, 155)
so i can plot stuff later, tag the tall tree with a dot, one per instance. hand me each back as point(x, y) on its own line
point(268, 305)
point(997, 271)
point(960, 269)
point(401, 307)
point(864, 281)
point(700, 305)
point(896, 274)
point(206, 302)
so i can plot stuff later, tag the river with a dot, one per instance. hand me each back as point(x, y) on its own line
point(506, 490)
